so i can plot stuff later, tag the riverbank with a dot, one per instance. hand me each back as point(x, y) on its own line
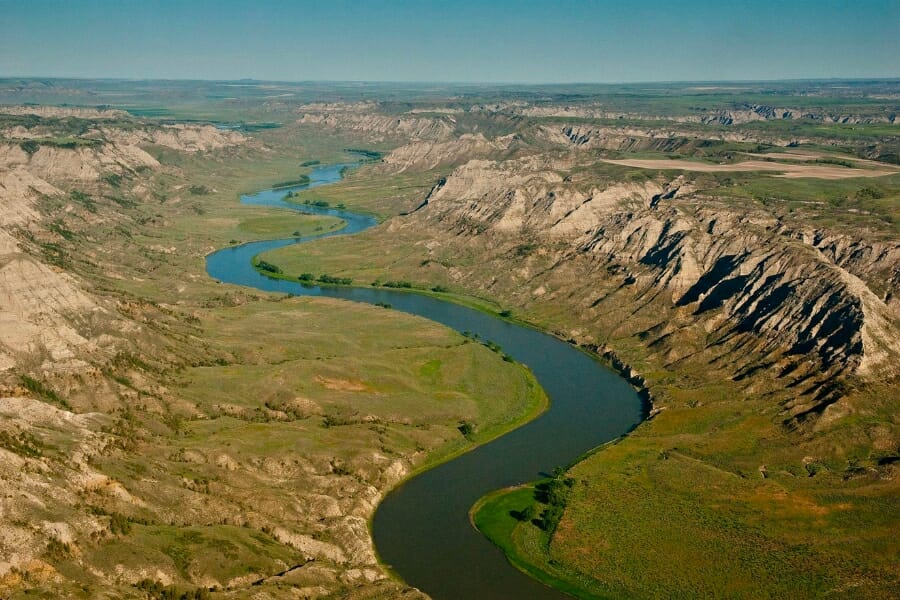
point(716, 449)
point(499, 516)
point(566, 373)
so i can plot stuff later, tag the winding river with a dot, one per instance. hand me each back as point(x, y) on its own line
point(421, 529)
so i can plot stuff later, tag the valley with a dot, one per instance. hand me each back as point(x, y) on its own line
point(732, 254)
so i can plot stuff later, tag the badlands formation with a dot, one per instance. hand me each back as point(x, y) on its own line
point(739, 264)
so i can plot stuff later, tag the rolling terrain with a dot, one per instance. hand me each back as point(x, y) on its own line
point(735, 254)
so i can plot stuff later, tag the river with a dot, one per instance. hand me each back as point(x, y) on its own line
point(421, 528)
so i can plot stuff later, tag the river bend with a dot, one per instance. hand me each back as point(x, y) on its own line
point(421, 529)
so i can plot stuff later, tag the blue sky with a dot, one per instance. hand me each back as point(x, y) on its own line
point(463, 41)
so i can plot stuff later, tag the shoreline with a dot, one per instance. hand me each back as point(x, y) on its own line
point(539, 402)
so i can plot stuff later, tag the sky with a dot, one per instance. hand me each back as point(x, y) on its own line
point(503, 41)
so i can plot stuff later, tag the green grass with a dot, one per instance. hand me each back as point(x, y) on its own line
point(643, 522)
point(308, 338)
point(370, 192)
point(521, 541)
point(287, 224)
point(683, 490)
point(222, 552)
point(834, 203)
point(676, 509)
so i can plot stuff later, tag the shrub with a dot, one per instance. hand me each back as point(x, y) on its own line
point(398, 284)
point(30, 146)
point(119, 525)
point(113, 179)
point(38, 388)
point(22, 443)
point(526, 514)
point(84, 200)
point(268, 267)
point(199, 190)
point(329, 279)
point(555, 494)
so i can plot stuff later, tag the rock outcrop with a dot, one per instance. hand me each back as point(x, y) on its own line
point(37, 302)
point(59, 112)
point(427, 154)
point(663, 139)
point(184, 138)
point(736, 115)
point(794, 305)
point(378, 127)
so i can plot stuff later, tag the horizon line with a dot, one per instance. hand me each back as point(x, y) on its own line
point(451, 83)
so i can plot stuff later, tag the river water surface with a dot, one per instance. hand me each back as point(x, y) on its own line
point(421, 529)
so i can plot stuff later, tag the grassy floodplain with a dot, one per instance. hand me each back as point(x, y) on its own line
point(238, 417)
point(688, 481)
point(281, 416)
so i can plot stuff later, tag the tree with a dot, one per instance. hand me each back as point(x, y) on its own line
point(30, 146)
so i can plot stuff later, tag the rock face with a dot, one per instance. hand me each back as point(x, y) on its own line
point(37, 302)
point(663, 139)
point(428, 154)
point(34, 485)
point(65, 111)
point(44, 311)
point(737, 115)
point(78, 164)
point(361, 119)
point(763, 112)
point(184, 138)
point(766, 297)
point(53, 328)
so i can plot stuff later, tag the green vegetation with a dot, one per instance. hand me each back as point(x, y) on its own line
point(30, 146)
point(374, 193)
point(317, 203)
point(301, 180)
point(199, 190)
point(368, 155)
point(44, 392)
point(267, 267)
point(825, 202)
point(158, 591)
point(350, 360)
point(246, 406)
point(506, 518)
point(331, 280)
point(59, 228)
point(288, 224)
point(21, 443)
point(84, 200)
point(112, 179)
point(395, 284)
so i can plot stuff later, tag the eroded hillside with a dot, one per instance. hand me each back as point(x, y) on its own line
point(749, 279)
point(740, 263)
point(143, 428)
